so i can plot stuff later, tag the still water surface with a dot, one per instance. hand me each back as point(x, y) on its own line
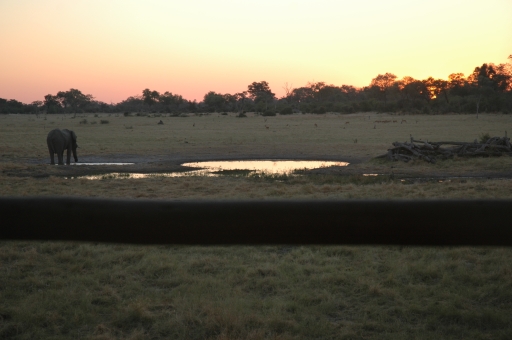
point(217, 168)
point(267, 166)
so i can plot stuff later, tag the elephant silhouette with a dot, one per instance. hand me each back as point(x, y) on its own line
point(60, 140)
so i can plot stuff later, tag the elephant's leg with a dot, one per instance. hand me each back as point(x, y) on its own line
point(68, 156)
point(60, 154)
point(52, 157)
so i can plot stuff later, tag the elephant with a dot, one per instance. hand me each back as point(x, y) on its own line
point(60, 140)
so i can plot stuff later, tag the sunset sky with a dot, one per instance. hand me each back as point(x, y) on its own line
point(114, 49)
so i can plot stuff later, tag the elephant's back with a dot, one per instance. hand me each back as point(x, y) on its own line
point(53, 134)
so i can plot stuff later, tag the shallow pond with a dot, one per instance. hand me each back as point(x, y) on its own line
point(102, 163)
point(266, 166)
point(218, 168)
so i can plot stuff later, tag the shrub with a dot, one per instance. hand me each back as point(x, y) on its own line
point(127, 114)
point(83, 121)
point(241, 115)
point(268, 114)
point(286, 111)
point(104, 121)
point(484, 137)
point(320, 110)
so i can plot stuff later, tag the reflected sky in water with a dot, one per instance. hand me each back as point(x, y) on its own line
point(268, 166)
point(215, 168)
point(102, 163)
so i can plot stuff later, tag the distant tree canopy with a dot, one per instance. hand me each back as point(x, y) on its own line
point(487, 89)
point(74, 99)
point(13, 106)
point(260, 92)
point(150, 97)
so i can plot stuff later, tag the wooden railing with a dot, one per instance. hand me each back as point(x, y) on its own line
point(426, 223)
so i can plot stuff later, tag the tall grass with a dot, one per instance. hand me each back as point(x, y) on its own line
point(68, 290)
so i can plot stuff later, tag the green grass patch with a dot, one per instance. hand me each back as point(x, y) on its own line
point(65, 290)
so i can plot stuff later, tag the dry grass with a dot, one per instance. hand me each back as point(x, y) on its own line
point(23, 137)
point(23, 151)
point(72, 290)
point(282, 187)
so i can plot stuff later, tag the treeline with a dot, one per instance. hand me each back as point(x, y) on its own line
point(487, 89)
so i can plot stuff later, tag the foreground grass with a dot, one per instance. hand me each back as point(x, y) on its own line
point(66, 290)
point(267, 187)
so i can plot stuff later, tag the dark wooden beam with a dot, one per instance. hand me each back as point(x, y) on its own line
point(425, 223)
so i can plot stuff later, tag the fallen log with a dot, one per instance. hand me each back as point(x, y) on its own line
point(430, 151)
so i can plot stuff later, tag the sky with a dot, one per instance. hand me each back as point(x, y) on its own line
point(114, 49)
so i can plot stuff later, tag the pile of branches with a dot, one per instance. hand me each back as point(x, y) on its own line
point(431, 151)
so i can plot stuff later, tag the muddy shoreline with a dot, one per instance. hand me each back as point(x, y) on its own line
point(40, 168)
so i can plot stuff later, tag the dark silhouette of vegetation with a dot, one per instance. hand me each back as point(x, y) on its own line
point(487, 89)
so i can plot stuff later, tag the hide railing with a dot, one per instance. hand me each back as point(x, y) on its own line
point(416, 223)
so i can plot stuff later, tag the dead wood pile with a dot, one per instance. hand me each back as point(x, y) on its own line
point(431, 151)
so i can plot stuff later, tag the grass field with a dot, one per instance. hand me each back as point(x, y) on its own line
point(64, 290)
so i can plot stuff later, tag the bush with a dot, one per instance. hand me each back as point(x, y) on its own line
point(83, 121)
point(484, 137)
point(127, 114)
point(241, 115)
point(268, 114)
point(320, 110)
point(104, 121)
point(286, 111)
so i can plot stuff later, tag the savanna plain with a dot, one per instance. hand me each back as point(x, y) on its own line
point(63, 290)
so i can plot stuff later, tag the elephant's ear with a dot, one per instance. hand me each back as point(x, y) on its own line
point(73, 135)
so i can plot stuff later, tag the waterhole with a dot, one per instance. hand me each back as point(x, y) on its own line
point(218, 168)
point(102, 163)
point(266, 166)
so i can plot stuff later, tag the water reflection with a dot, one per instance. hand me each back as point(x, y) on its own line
point(102, 163)
point(122, 175)
point(234, 168)
point(268, 166)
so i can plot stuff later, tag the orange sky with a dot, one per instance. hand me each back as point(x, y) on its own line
point(115, 49)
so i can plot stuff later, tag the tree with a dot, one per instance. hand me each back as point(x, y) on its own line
point(496, 76)
point(240, 98)
point(260, 92)
point(150, 97)
point(383, 82)
point(288, 90)
point(51, 102)
point(214, 101)
point(302, 94)
point(169, 99)
point(73, 98)
point(435, 87)
point(417, 89)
